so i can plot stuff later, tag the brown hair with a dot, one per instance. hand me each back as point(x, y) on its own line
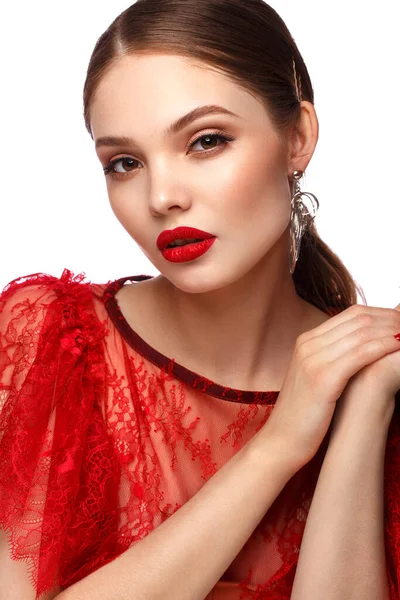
point(248, 42)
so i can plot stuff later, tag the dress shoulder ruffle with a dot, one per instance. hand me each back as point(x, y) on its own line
point(59, 476)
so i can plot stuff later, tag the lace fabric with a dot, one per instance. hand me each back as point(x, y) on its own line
point(100, 443)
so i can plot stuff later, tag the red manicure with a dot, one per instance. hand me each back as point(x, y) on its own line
point(397, 336)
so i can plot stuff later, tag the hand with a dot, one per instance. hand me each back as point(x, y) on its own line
point(384, 374)
point(370, 394)
point(325, 360)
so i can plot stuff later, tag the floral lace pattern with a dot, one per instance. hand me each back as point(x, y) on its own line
point(99, 444)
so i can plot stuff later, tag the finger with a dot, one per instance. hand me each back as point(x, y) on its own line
point(348, 355)
point(338, 344)
point(366, 325)
point(388, 316)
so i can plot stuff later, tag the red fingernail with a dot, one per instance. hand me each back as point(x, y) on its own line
point(397, 336)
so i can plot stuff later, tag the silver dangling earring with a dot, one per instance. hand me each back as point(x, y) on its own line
point(300, 218)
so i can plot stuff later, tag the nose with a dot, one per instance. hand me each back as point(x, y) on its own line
point(164, 207)
point(166, 196)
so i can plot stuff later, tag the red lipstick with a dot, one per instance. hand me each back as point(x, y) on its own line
point(190, 250)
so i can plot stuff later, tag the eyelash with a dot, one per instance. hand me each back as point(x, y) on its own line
point(226, 139)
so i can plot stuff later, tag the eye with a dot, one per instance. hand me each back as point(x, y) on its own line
point(109, 168)
point(127, 162)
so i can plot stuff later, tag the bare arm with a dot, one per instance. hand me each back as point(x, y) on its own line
point(342, 555)
point(187, 554)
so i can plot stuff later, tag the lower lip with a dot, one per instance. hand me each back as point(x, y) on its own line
point(188, 252)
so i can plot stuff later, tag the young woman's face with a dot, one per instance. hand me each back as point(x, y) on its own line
point(236, 190)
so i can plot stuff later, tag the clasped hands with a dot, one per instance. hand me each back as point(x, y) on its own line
point(369, 397)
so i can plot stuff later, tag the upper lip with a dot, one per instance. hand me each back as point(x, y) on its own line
point(181, 233)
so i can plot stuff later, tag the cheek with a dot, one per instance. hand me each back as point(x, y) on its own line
point(121, 209)
point(258, 191)
point(123, 206)
point(120, 199)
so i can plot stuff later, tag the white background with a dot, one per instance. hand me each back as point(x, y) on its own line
point(54, 208)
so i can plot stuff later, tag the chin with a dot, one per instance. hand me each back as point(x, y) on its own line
point(199, 281)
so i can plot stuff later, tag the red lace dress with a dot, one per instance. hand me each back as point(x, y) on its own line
point(102, 438)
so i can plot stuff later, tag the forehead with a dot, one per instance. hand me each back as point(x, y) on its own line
point(160, 88)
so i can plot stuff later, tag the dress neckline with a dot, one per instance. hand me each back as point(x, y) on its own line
point(169, 365)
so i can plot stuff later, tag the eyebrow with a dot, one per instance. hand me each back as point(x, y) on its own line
point(175, 127)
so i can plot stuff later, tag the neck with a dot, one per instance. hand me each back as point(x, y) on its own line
point(242, 335)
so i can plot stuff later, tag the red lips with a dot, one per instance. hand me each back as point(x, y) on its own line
point(181, 233)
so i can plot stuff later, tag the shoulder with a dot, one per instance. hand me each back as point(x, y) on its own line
point(30, 296)
point(42, 289)
point(46, 319)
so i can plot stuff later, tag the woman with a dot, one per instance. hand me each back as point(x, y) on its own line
point(182, 436)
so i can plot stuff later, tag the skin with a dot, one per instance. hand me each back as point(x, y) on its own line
point(233, 314)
